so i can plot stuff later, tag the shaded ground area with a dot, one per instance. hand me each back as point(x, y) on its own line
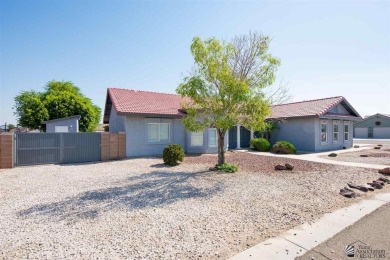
point(366, 234)
point(256, 163)
point(140, 208)
point(374, 156)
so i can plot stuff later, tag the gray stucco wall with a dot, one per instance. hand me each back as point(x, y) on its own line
point(299, 131)
point(331, 144)
point(206, 148)
point(116, 123)
point(71, 123)
point(137, 136)
point(305, 134)
point(385, 122)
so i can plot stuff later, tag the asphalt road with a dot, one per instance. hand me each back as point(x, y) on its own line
point(369, 236)
point(371, 141)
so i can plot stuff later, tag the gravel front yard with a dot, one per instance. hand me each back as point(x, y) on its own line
point(380, 156)
point(138, 208)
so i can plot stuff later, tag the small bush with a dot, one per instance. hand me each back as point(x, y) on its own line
point(227, 167)
point(260, 144)
point(172, 154)
point(284, 147)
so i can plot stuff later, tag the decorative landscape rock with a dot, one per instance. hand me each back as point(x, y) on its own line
point(347, 193)
point(356, 146)
point(332, 155)
point(377, 147)
point(289, 166)
point(358, 187)
point(385, 171)
point(384, 180)
point(364, 155)
point(280, 167)
point(375, 185)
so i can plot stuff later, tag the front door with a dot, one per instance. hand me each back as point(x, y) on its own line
point(233, 137)
point(245, 136)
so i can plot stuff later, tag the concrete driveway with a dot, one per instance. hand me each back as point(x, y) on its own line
point(371, 141)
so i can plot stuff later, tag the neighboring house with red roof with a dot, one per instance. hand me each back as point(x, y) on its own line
point(152, 120)
point(375, 126)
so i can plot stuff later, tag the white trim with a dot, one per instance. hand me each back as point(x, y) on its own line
point(324, 122)
point(347, 123)
point(336, 122)
point(216, 137)
point(159, 133)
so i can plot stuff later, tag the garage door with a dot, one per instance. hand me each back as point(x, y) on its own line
point(361, 132)
point(382, 132)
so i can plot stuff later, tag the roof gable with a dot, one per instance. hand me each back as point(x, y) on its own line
point(129, 101)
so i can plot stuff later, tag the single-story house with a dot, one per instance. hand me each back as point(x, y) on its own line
point(63, 125)
point(153, 120)
point(375, 126)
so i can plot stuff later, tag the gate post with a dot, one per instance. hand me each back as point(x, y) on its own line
point(6, 150)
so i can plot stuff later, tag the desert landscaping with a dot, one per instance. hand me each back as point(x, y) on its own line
point(140, 208)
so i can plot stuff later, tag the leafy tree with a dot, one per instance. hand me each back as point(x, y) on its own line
point(11, 126)
point(227, 85)
point(60, 99)
point(30, 109)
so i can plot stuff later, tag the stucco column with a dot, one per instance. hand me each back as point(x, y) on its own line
point(227, 140)
point(238, 137)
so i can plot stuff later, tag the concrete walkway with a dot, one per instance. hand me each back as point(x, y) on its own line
point(298, 241)
point(368, 232)
point(315, 157)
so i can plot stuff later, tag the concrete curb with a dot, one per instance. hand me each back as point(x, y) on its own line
point(301, 239)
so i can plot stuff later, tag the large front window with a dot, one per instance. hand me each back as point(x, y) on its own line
point(324, 132)
point(335, 131)
point(346, 130)
point(197, 139)
point(158, 132)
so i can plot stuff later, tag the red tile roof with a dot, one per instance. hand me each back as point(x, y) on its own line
point(145, 102)
point(315, 107)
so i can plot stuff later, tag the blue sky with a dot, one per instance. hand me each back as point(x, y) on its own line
point(327, 48)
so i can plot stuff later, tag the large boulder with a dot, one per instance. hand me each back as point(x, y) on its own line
point(280, 167)
point(332, 154)
point(385, 171)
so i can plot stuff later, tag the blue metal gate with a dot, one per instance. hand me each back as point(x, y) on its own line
point(45, 148)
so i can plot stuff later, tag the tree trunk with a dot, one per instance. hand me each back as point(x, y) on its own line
point(221, 150)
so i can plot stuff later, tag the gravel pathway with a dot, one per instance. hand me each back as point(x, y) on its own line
point(139, 208)
point(380, 156)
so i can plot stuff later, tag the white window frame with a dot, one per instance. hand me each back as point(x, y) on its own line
point(336, 122)
point(346, 123)
point(61, 129)
point(159, 133)
point(197, 133)
point(324, 122)
point(211, 130)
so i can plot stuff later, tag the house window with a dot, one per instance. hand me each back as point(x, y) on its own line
point(335, 130)
point(158, 132)
point(324, 131)
point(346, 130)
point(213, 137)
point(197, 139)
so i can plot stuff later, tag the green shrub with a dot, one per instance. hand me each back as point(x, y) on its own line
point(284, 147)
point(172, 154)
point(260, 144)
point(227, 167)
